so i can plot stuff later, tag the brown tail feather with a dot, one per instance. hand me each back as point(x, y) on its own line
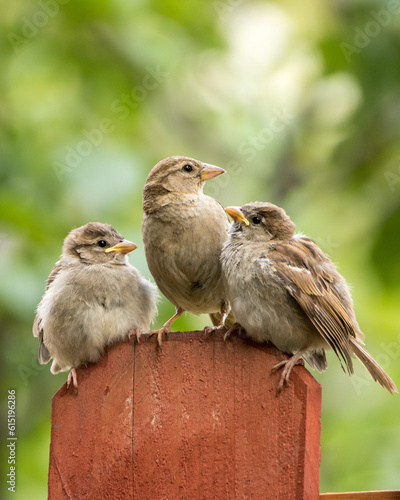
point(376, 372)
point(317, 359)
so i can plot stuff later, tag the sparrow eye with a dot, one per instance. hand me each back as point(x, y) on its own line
point(256, 220)
point(102, 243)
point(187, 168)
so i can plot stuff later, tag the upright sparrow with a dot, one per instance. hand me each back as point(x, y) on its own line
point(94, 297)
point(183, 233)
point(283, 289)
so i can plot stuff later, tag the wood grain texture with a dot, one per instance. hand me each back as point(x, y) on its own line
point(199, 419)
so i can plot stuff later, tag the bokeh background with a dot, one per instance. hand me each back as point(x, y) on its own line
point(299, 101)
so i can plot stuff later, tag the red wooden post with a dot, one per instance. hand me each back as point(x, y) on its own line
point(197, 420)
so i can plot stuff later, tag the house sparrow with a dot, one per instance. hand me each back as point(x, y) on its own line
point(183, 233)
point(94, 297)
point(283, 289)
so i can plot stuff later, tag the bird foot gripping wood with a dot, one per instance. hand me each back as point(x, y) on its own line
point(164, 329)
point(212, 329)
point(72, 377)
point(287, 365)
point(220, 327)
point(136, 333)
point(233, 328)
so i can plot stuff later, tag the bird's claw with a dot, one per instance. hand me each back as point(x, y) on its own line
point(287, 365)
point(159, 334)
point(72, 377)
point(136, 333)
point(212, 329)
point(233, 328)
point(284, 380)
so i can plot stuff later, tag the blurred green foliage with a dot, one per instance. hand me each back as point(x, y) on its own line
point(299, 101)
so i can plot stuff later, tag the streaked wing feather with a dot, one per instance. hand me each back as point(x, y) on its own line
point(299, 266)
point(56, 269)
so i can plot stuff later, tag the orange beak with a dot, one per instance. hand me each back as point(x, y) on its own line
point(123, 246)
point(237, 214)
point(210, 171)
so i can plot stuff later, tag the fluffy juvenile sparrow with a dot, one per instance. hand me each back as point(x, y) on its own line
point(183, 233)
point(94, 297)
point(283, 289)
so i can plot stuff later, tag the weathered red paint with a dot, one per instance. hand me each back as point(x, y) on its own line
point(197, 420)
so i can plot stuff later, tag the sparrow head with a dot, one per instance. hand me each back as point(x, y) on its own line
point(260, 221)
point(177, 174)
point(97, 243)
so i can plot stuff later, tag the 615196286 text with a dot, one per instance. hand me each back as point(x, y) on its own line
point(11, 440)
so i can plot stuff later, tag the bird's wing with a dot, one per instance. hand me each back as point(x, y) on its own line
point(310, 278)
point(52, 276)
point(44, 355)
point(197, 250)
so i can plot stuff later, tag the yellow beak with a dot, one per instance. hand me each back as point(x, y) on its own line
point(123, 246)
point(210, 171)
point(237, 214)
